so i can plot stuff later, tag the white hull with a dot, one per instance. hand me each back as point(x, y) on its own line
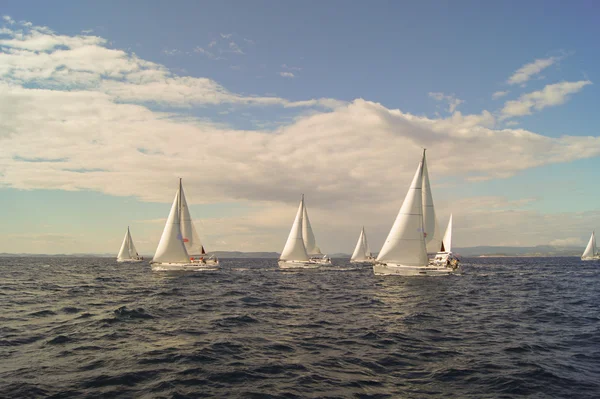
point(182, 267)
point(321, 261)
point(363, 262)
point(592, 258)
point(390, 269)
point(290, 264)
point(447, 259)
point(129, 260)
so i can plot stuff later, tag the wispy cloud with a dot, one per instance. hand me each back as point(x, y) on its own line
point(287, 74)
point(226, 35)
point(527, 71)
point(551, 95)
point(234, 48)
point(206, 53)
point(499, 94)
point(291, 68)
point(172, 52)
point(452, 101)
point(8, 19)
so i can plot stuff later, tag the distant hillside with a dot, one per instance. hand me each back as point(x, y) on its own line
point(540, 250)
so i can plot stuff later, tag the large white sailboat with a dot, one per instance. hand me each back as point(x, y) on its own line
point(404, 251)
point(445, 256)
point(128, 253)
point(591, 251)
point(362, 252)
point(310, 243)
point(294, 253)
point(171, 253)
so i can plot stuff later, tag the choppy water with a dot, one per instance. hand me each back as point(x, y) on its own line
point(94, 328)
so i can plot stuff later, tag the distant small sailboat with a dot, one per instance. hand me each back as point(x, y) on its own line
point(445, 256)
point(404, 251)
point(362, 252)
point(171, 253)
point(128, 253)
point(591, 251)
point(310, 243)
point(294, 253)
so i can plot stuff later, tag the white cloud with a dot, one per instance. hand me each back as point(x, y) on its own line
point(287, 74)
point(527, 71)
point(551, 95)
point(499, 94)
point(452, 101)
point(8, 19)
point(213, 43)
point(290, 68)
point(234, 48)
point(226, 35)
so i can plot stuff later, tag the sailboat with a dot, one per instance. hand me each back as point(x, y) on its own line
point(128, 253)
point(445, 257)
point(310, 243)
point(362, 252)
point(171, 253)
point(294, 253)
point(404, 251)
point(190, 237)
point(591, 251)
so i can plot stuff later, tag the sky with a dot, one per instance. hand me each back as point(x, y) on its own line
point(104, 105)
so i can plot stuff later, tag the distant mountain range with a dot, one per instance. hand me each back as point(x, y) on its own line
point(540, 250)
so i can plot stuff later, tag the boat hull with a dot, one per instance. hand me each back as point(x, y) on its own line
point(288, 264)
point(390, 269)
point(182, 267)
point(363, 262)
point(588, 259)
point(129, 260)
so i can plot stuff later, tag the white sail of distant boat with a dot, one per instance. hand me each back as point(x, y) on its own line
point(447, 240)
point(430, 224)
point(171, 253)
point(445, 256)
point(591, 251)
point(362, 252)
point(294, 253)
point(310, 242)
point(191, 239)
point(404, 251)
point(128, 252)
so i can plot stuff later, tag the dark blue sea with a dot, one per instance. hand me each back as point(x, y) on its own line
point(505, 328)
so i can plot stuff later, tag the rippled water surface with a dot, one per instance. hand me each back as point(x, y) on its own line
point(506, 327)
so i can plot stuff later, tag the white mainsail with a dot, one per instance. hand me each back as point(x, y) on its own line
point(405, 244)
point(362, 251)
point(128, 250)
point(308, 236)
point(430, 224)
point(294, 249)
point(590, 250)
point(191, 240)
point(447, 241)
point(170, 247)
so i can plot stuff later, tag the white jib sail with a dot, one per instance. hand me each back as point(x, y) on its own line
point(360, 250)
point(405, 244)
point(308, 236)
point(430, 224)
point(368, 252)
point(294, 247)
point(170, 248)
point(191, 240)
point(447, 241)
point(124, 252)
point(590, 250)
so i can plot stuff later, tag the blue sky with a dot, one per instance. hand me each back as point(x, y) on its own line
point(224, 103)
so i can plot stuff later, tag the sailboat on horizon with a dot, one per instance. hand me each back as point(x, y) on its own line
point(294, 253)
point(445, 256)
point(310, 243)
point(362, 252)
point(405, 249)
point(128, 252)
point(171, 253)
point(591, 251)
